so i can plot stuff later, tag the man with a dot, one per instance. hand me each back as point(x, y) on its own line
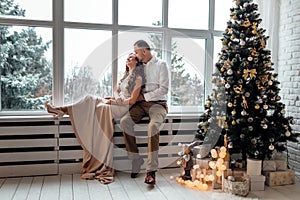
point(153, 103)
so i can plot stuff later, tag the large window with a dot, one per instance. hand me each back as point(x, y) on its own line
point(65, 49)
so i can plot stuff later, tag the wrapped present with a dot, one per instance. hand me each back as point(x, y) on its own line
point(239, 172)
point(254, 166)
point(269, 165)
point(280, 177)
point(236, 185)
point(281, 165)
point(257, 182)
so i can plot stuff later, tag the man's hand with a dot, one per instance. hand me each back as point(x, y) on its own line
point(140, 97)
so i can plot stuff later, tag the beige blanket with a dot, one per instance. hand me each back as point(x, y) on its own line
point(92, 121)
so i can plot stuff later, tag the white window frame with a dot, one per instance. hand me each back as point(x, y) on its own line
point(58, 25)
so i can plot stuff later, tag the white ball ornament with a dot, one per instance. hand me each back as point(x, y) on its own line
point(265, 126)
point(233, 112)
point(287, 133)
point(270, 82)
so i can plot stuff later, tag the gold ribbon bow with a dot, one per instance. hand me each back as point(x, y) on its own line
point(249, 72)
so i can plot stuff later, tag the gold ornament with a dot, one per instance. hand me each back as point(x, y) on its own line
point(254, 26)
point(249, 72)
point(256, 106)
point(246, 23)
point(260, 87)
point(233, 122)
point(245, 102)
point(264, 78)
point(262, 43)
point(254, 53)
point(238, 89)
point(227, 64)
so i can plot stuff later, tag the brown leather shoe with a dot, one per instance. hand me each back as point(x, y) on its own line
point(150, 178)
point(136, 167)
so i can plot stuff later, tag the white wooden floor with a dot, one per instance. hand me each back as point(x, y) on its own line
point(71, 187)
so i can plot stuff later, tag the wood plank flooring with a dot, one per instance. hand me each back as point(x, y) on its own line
point(71, 187)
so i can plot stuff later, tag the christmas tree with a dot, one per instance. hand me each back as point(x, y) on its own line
point(245, 104)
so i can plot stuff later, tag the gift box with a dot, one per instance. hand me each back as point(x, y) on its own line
point(280, 177)
point(269, 165)
point(236, 185)
point(281, 165)
point(257, 182)
point(238, 172)
point(254, 166)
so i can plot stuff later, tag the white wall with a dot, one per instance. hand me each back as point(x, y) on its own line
point(289, 68)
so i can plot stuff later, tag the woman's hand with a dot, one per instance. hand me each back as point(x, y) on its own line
point(110, 101)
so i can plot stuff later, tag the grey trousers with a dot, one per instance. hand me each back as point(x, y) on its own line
point(157, 112)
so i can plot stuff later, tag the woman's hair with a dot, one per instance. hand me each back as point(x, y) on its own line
point(138, 71)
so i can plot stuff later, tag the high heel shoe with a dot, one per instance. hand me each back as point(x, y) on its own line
point(57, 112)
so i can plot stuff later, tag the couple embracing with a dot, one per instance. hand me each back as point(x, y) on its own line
point(142, 91)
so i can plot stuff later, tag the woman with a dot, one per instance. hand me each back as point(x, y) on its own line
point(92, 120)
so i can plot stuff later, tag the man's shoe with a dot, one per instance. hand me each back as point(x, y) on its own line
point(136, 167)
point(150, 178)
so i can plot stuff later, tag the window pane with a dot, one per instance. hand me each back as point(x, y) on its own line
point(222, 13)
point(126, 41)
point(217, 48)
point(27, 9)
point(25, 67)
point(188, 62)
point(192, 14)
point(87, 63)
point(140, 12)
point(89, 11)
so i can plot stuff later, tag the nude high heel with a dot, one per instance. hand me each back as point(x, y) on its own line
point(56, 112)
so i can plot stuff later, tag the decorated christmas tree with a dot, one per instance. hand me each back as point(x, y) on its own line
point(245, 103)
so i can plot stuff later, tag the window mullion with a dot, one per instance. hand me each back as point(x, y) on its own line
point(58, 52)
